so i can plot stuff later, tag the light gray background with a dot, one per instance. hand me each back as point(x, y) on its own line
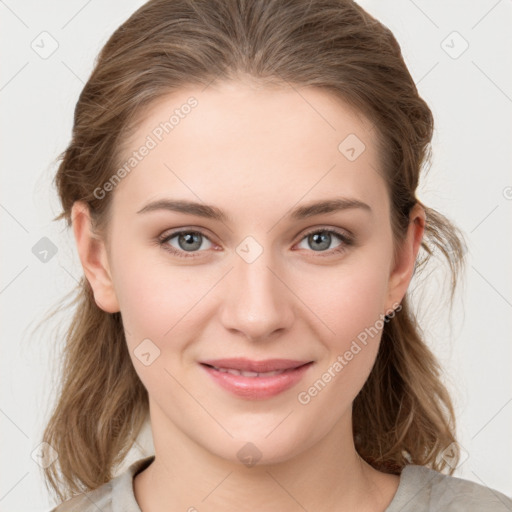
point(470, 182)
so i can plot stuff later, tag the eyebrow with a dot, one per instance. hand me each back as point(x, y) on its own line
point(212, 212)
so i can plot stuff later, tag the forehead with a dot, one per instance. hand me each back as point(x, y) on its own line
point(236, 143)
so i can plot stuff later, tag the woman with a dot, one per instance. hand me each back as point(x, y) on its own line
point(241, 186)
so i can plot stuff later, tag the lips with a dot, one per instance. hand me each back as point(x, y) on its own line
point(247, 365)
point(232, 371)
point(256, 379)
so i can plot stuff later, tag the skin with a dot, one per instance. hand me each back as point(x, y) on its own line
point(255, 153)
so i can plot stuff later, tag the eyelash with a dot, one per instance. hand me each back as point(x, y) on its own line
point(346, 240)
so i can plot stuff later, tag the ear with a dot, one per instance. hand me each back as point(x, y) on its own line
point(403, 268)
point(93, 256)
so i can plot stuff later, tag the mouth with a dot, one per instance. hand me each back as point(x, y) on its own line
point(256, 380)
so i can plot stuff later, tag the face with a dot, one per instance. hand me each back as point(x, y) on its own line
point(259, 324)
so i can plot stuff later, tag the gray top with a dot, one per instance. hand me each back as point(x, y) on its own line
point(420, 490)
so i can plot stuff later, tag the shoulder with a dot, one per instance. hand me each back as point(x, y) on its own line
point(422, 489)
point(113, 496)
point(91, 501)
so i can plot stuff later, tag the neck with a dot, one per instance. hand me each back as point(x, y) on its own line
point(329, 475)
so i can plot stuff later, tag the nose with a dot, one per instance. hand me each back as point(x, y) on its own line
point(257, 302)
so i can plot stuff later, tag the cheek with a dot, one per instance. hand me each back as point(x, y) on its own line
point(152, 294)
point(348, 298)
point(352, 309)
point(158, 305)
point(350, 301)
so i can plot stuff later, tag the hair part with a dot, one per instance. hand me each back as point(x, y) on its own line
point(403, 413)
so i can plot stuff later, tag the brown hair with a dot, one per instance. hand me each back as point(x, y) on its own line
point(403, 414)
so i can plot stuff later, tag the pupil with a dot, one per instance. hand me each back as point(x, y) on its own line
point(322, 237)
point(190, 240)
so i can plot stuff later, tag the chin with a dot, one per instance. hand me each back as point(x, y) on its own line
point(252, 447)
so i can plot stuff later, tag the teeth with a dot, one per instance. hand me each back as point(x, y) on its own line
point(249, 374)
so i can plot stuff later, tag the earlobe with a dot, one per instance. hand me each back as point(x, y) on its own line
point(403, 269)
point(93, 257)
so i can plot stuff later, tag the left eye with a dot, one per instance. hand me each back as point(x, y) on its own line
point(321, 239)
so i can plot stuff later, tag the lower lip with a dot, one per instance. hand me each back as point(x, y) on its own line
point(257, 388)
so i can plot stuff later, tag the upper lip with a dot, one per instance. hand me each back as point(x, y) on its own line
point(248, 365)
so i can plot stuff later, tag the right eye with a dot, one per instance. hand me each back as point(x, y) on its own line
point(187, 241)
